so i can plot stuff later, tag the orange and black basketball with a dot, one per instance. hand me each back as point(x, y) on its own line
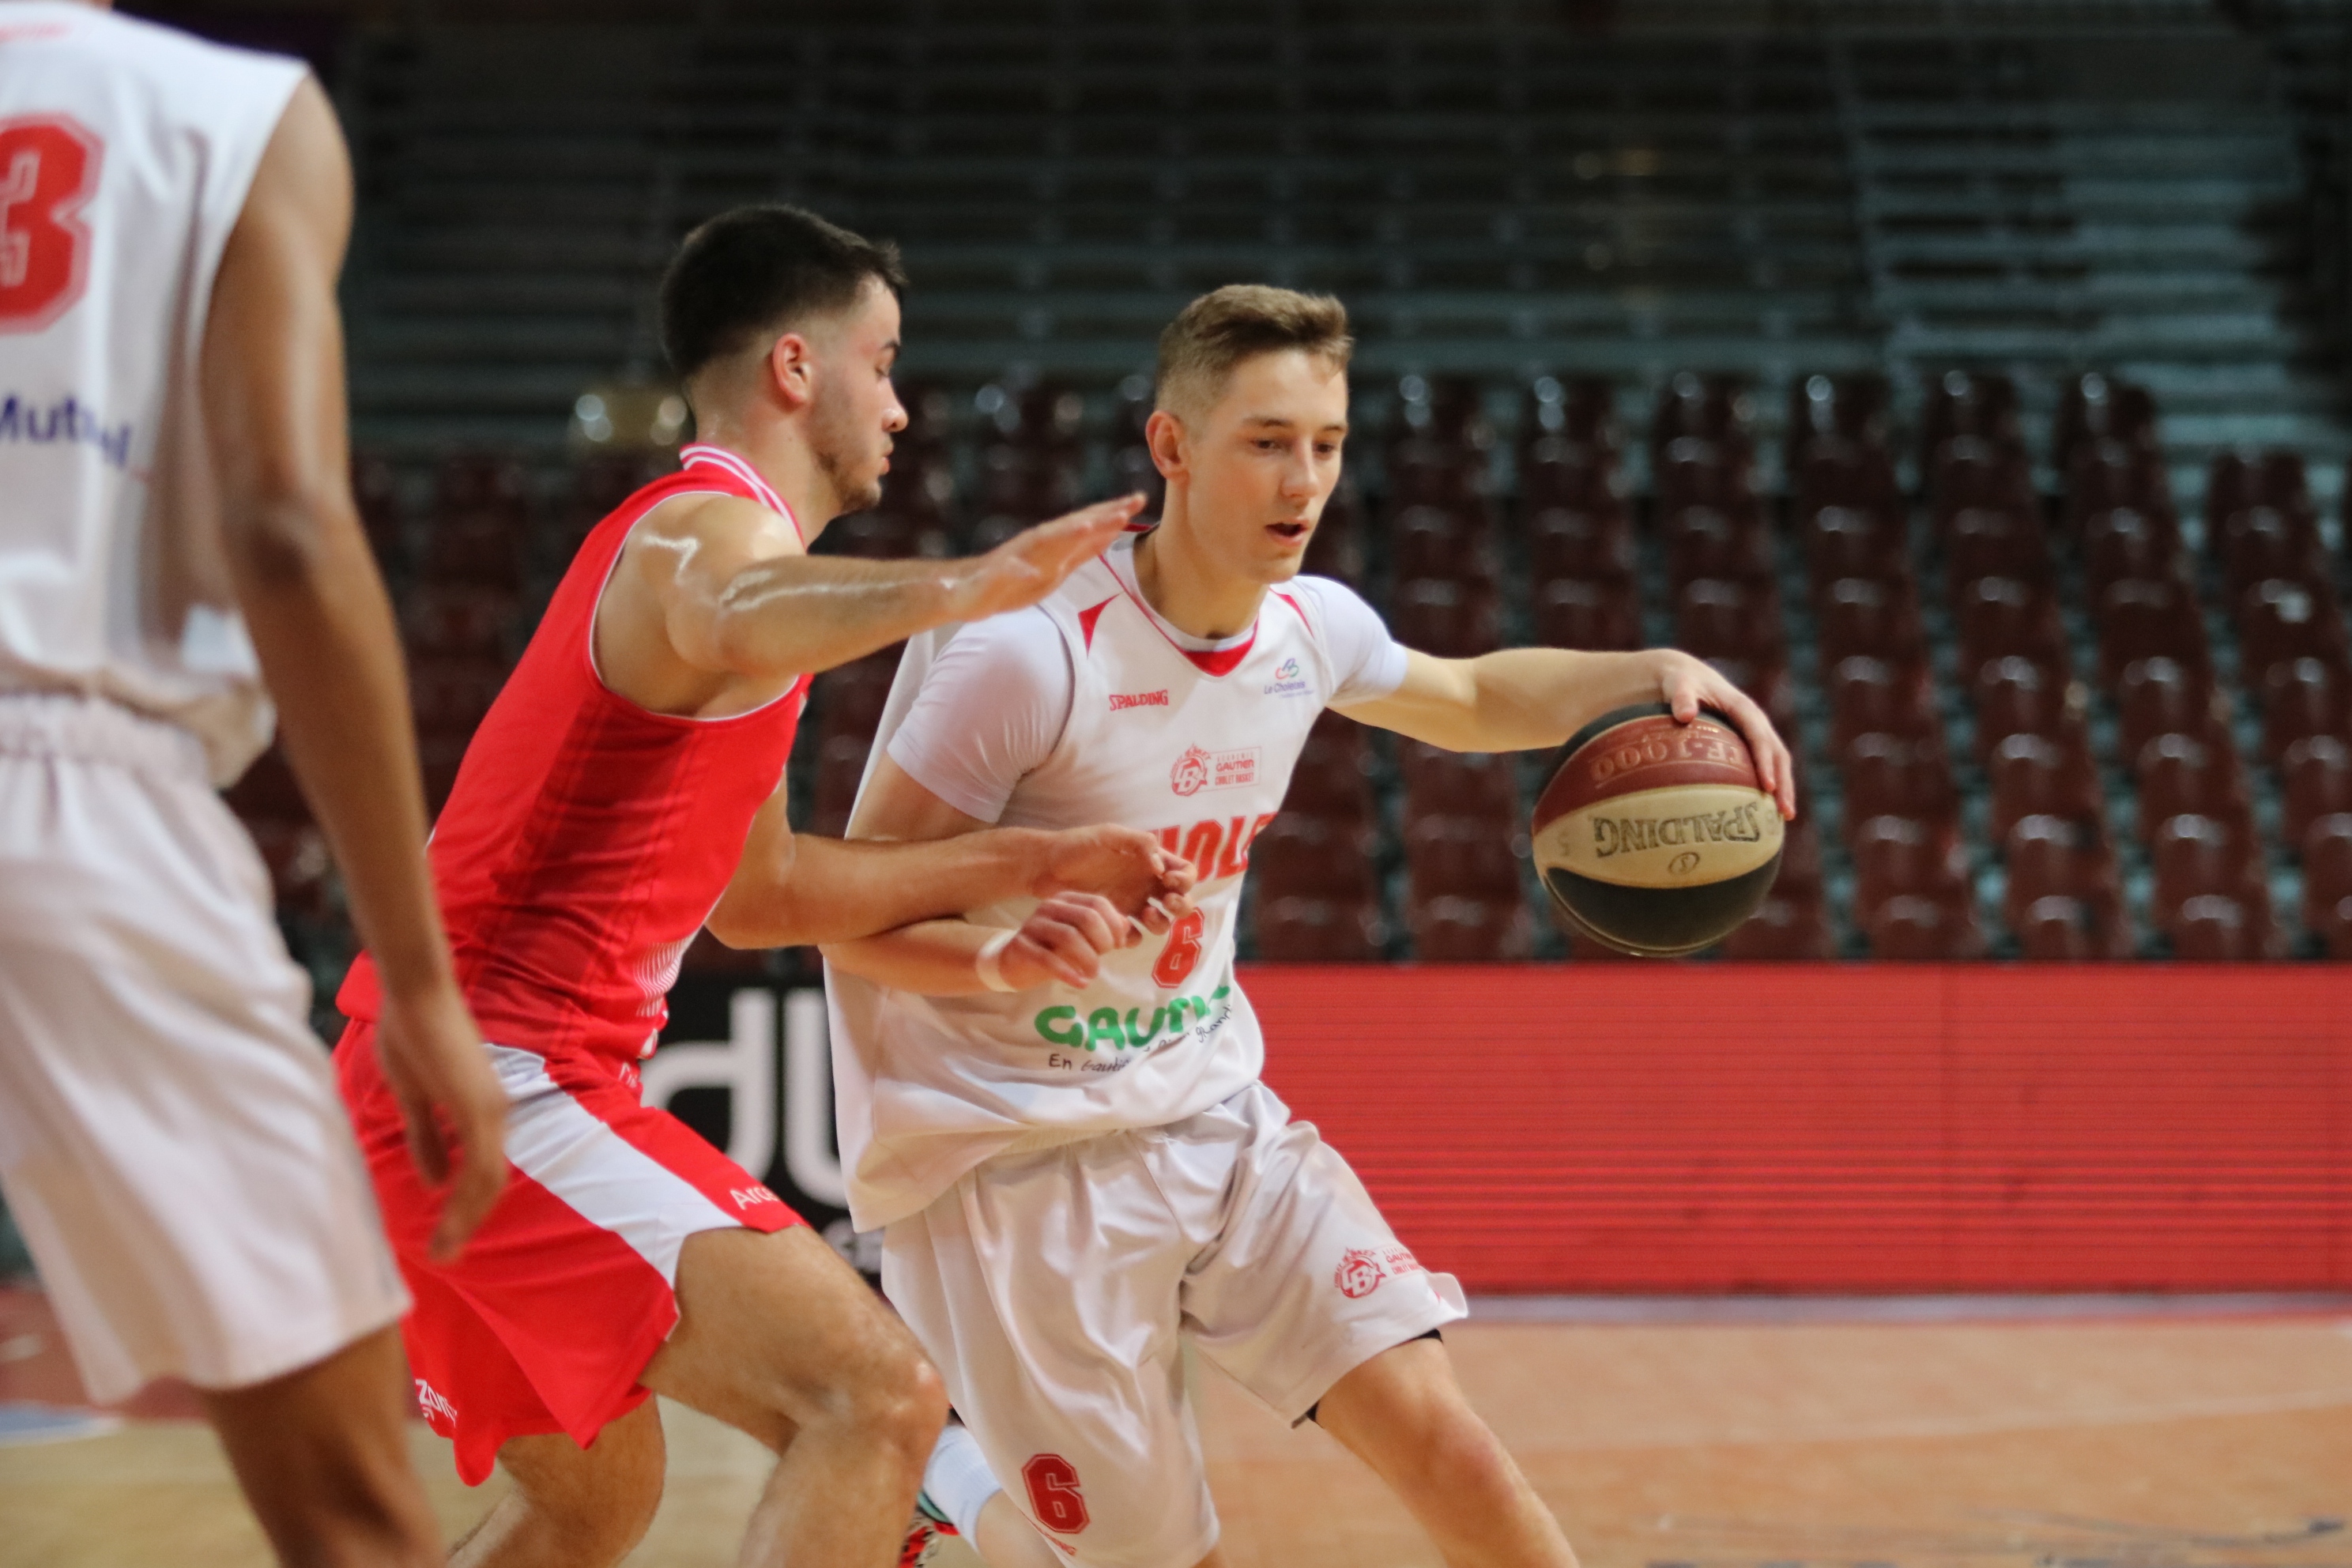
point(1655, 836)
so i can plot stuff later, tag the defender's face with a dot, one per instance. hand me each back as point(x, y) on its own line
point(1259, 466)
point(856, 410)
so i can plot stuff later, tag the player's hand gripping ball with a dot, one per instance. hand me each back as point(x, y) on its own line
point(1655, 836)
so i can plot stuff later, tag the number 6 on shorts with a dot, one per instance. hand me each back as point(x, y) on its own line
point(1053, 1495)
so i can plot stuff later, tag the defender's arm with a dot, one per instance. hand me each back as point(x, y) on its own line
point(790, 888)
point(1524, 699)
point(1063, 940)
point(725, 584)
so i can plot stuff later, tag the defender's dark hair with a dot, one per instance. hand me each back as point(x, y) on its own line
point(762, 268)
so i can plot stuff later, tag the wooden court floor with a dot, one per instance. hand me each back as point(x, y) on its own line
point(2126, 1441)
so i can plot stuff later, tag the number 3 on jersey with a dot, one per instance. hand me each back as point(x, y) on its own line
point(1183, 952)
point(48, 168)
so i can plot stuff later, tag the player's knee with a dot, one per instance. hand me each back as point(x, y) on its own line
point(903, 1403)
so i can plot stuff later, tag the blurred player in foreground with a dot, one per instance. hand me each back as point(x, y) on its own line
point(1074, 1180)
point(177, 530)
point(626, 789)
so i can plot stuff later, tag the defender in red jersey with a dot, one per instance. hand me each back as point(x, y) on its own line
point(626, 790)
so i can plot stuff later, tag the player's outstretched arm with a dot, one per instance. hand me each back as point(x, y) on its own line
point(272, 378)
point(727, 586)
point(793, 888)
point(1528, 697)
point(1064, 938)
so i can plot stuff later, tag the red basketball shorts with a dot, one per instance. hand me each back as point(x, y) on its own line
point(547, 1320)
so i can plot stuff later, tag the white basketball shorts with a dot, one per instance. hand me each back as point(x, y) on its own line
point(1055, 1289)
point(171, 1140)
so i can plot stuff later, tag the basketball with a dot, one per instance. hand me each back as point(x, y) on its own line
point(1654, 836)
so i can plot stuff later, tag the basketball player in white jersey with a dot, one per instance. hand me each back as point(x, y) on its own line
point(1075, 1181)
point(177, 529)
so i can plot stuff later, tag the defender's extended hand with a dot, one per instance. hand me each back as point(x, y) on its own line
point(433, 1060)
point(1032, 564)
point(1064, 940)
point(1124, 866)
point(1686, 684)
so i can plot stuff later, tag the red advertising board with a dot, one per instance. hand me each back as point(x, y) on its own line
point(1604, 1127)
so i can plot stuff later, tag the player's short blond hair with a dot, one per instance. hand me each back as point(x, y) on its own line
point(1217, 331)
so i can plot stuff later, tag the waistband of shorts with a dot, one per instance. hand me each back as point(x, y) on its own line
point(48, 725)
point(1041, 1139)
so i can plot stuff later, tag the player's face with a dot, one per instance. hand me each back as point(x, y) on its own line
point(855, 411)
point(1260, 464)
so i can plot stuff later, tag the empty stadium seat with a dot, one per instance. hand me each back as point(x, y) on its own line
point(2129, 543)
point(1451, 929)
point(1871, 694)
point(1449, 619)
point(449, 696)
point(1876, 617)
point(2148, 618)
point(2236, 481)
point(1703, 542)
point(1982, 543)
point(1320, 930)
point(2163, 696)
point(2263, 542)
point(2093, 406)
point(1564, 472)
point(1314, 857)
point(1436, 541)
point(2047, 855)
point(1971, 472)
point(1567, 542)
point(476, 549)
point(1331, 778)
point(1782, 929)
point(1695, 471)
point(2217, 928)
point(1467, 857)
point(2316, 774)
point(267, 791)
point(1899, 855)
point(2197, 854)
point(2181, 773)
point(1852, 542)
point(2057, 929)
point(1719, 618)
point(1439, 783)
point(460, 620)
point(1898, 776)
point(2039, 775)
point(482, 487)
point(1910, 928)
point(1968, 404)
point(2302, 698)
point(2105, 473)
point(2326, 846)
point(2004, 618)
point(2015, 695)
point(2281, 621)
point(1604, 617)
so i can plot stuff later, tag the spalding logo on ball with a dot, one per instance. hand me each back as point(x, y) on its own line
point(1655, 835)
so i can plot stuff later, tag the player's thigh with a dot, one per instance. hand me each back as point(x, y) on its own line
point(775, 1333)
point(322, 1453)
point(1046, 1287)
point(1307, 1282)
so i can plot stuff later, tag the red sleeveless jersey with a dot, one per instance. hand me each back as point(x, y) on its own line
point(586, 839)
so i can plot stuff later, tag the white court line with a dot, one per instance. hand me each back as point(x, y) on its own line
point(2004, 1309)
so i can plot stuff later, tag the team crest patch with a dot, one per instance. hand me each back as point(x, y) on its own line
point(1198, 770)
point(1362, 1270)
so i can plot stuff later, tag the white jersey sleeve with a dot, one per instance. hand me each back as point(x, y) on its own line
point(1367, 663)
point(992, 707)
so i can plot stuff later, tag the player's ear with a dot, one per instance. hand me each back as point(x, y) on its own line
point(791, 371)
point(1165, 435)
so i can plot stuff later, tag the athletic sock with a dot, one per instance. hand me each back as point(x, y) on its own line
point(957, 1480)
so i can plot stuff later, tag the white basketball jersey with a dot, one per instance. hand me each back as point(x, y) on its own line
point(927, 1088)
point(126, 154)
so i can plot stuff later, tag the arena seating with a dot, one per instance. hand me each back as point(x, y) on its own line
point(1965, 419)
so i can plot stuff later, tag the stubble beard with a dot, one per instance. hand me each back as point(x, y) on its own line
point(834, 437)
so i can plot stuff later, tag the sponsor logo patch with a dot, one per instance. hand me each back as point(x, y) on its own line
point(1119, 700)
point(752, 1197)
point(1289, 682)
point(1361, 1271)
point(1198, 770)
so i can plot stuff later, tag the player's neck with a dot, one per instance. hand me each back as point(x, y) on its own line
point(1181, 580)
point(777, 454)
